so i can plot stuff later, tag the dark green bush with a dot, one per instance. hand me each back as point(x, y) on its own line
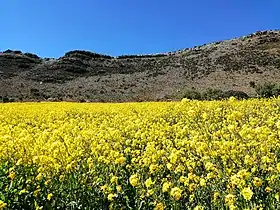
point(268, 90)
point(276, 90)
point(31, 55)
point(212, 94)
point(191, 94)
point(234, 93)
point(83, 54)
point(252, 84)
point(13, 51)
point(4, 99)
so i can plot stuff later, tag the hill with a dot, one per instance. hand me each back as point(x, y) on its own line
point(80, 75)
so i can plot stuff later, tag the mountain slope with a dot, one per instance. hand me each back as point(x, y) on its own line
point(81, 75)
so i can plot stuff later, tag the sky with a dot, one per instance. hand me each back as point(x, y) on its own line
point(49, 28)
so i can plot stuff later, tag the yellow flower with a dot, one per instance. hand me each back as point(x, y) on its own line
point(243, 174)
point(169, 166)
point(235, 180)
point(176, 193)
point(257, 182)
point(182, 179)
point(232, 98)
point(247, 193)
point(150, 192)
point(159, 206)
point(153, 168)
point(89, 160)
point(278, 167)
point(133, 180)
point(277, 197)
point(37, 207)
point(253, 170)
point(36, 192)
point(198, 208)
point(248, 160)
point(202, 182)
point(265, 159)
point(111, 196)
point(90, 165)
point(49, 197)
point(166, 186)
point(209, 166)
point(2, 205)
point(230, 199)
point(179, 169)
point(47, 182)
point(268, 189)
point(12, 175)
point(232, 207)
point(23, 191)
point(192, 187)
point(216, 196)
point(205, 116)
point(61, 178)
point(149, 182)
point(210, 175)
point(119, 188)
point(104, 187)
point(114, 179)
point(39, 177)
point(69, 167)
point(19, 162)
point(191, 198)
point(185, 100)
point(120, 160)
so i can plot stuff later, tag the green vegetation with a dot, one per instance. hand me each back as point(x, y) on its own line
point(210, 94)
point(268, 90)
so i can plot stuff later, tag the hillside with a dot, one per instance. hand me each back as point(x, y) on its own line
point(81, 75)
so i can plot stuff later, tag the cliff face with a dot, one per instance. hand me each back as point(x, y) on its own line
point(82, 75)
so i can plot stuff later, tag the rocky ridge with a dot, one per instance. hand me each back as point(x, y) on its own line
point(86, 76)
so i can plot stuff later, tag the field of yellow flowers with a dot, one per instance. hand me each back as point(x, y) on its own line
point(169, 155)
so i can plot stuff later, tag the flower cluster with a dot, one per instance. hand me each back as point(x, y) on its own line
point(168, 155)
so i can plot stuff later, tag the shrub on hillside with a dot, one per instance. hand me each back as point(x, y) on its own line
point(234, 93)
point(4, 99)
point(276, 90)
point(86, 54)
point(211, 94)
point(191, 94)
point(31, 55)
point(268, 90)
point(252, 84)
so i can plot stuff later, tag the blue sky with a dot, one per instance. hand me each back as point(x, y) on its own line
point(50, 28)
